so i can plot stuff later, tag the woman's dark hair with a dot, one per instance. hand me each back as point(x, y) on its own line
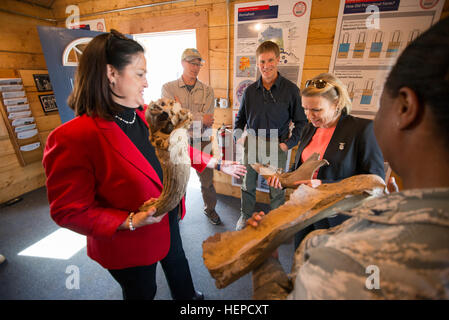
point(424, 67)
point(92, 94)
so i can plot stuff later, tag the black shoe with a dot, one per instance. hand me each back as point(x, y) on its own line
point(198, 296)
point(213, 216)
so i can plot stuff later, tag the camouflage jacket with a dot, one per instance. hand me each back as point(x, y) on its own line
point(394, 247)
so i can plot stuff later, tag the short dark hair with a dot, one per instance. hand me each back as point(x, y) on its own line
point(92, 94)
point(268, 46)
point(424, 67)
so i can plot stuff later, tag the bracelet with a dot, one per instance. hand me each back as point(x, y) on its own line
point(219, 165)
point(130, 221)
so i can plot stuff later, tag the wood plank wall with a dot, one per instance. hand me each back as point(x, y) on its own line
point(20, 49)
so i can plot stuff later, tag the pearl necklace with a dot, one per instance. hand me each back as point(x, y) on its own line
point(125, 121)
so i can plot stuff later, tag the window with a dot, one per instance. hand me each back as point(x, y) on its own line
point(163, 52)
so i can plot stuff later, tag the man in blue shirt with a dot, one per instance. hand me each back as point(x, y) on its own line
point(268, 107)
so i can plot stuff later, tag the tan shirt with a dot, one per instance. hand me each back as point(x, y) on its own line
point(200, 100)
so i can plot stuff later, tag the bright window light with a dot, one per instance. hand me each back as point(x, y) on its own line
point(61, 244)
point(194, 181)
point(163, 52)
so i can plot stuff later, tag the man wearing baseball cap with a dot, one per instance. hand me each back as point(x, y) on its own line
point(197, 97)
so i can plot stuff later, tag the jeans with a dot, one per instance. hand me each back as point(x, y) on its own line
point(256, 153)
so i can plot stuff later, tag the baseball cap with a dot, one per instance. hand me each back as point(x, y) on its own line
point(190, 54)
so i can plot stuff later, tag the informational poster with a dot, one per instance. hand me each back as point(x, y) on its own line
point(370, 36)
point(285, 22)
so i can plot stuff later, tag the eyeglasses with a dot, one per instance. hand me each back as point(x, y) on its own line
point(319, 83)
point(196, 64)
point(266, 94)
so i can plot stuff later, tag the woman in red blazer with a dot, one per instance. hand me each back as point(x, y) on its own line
point(101, 168)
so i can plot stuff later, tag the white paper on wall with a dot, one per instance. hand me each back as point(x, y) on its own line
point(367, 44)
point(7, 88)
point(10, 102)
point(27, 134)
point(17, 108)
point(22, 121)
point(30, 147)
point(13, 94)
point(25, 127)
point(10, 81)
point(15, 115)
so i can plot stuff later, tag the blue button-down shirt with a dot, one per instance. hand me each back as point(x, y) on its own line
point(272, 109)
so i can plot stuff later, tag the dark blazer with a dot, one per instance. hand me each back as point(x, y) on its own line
point(353, 150)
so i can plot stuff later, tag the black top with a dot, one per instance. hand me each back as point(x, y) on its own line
point(352, 150)
point(272, 109)
point(139, 135)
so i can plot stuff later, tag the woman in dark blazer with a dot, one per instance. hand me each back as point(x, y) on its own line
point(352, 150)
point(346, 142)
point(101, 168)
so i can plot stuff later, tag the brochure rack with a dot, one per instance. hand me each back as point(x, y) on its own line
point(19, 120)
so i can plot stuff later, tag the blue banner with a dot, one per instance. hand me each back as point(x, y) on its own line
point(258, 13)
point(361, 5)
point(54, 41)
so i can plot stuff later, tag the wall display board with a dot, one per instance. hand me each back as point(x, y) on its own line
point(19, 120)
point(285, 22)
point(62, 49)
point(369, 37)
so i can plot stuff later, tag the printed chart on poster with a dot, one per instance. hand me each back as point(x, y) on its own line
point(284, 22)
point(370, 35)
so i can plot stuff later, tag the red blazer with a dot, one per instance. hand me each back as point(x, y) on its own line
point(95, 177)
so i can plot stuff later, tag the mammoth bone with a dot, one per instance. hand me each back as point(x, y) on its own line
point(287, 179)
point(230, 255)
point(168, 124)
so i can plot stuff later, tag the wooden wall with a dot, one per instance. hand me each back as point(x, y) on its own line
point(20, 49)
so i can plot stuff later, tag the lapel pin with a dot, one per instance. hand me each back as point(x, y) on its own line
point(341, 146)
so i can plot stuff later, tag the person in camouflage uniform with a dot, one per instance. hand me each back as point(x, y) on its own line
point(395, 246)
